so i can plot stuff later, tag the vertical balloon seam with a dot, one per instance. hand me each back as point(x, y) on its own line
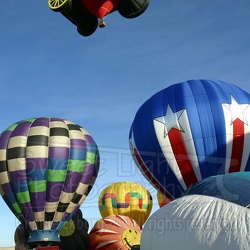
point(65, 197)
point(36, 165)
point(19, 141)
point(58, 153)
point(62, 204)
point(219, 89)
point(203, 171)
point(185, 165)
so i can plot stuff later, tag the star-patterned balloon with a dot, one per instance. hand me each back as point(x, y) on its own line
point(189, 131)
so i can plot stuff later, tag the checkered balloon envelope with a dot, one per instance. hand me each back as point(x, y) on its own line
point(47, 168)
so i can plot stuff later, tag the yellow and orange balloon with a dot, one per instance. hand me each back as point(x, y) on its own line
point(126, 198)
point(162, 200)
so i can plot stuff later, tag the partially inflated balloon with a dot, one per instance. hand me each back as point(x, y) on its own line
point(48, 166)
point(231, 187)
point(190, 131)
point(115, 232)
point(126, 198)
point(198, 222)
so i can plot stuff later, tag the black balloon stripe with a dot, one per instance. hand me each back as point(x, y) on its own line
point(74, 127)
point(17, 152)
point(39, 225)
point(76, 198)
point(37, 140)
point(62, 207)
point(49, 216)
point(59, 132)
point(3, 166)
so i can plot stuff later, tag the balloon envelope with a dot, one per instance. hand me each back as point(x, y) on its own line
point(126, 198)
point(115, 232)
point(231, 187)
point(198, 222)
point(190, 131)
point(48, 166)
point(162, 200)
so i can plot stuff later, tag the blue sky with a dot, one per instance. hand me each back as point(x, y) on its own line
point(99, 82)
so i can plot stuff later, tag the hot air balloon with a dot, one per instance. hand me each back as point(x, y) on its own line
point(115, 232)
point(198, 222)
point(86, 13)
point(231, 187)
point(190, 131)
point(162, 200)
point(48, 167)
point(74, 234)
point(126, 198)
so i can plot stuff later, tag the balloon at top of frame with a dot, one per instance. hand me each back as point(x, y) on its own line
point(84, 14)
point(190, 131)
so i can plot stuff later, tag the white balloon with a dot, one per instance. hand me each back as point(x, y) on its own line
point(197, 222)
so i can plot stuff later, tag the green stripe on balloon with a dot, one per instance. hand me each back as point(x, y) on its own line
point(91, 157)
point(23, 197)
point(11, 127)
point(29, 120)
point(37, 186)
point(56, 175)
point(16, 207)
point(76, 165)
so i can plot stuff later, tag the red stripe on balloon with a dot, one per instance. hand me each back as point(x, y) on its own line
point(182, 158)
point(127, 198)
point(237, 148)
point(140, 203)
point(150, 176)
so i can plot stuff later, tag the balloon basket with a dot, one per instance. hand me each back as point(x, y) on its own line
point(44, 236)
point(102, 24)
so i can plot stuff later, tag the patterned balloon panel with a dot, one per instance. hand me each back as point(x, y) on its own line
point(47, 168)
point(189, 131)
point(126, 198)
point(115, 232)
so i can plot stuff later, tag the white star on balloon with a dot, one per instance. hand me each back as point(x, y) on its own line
point(237, 110)
point(170, 120)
